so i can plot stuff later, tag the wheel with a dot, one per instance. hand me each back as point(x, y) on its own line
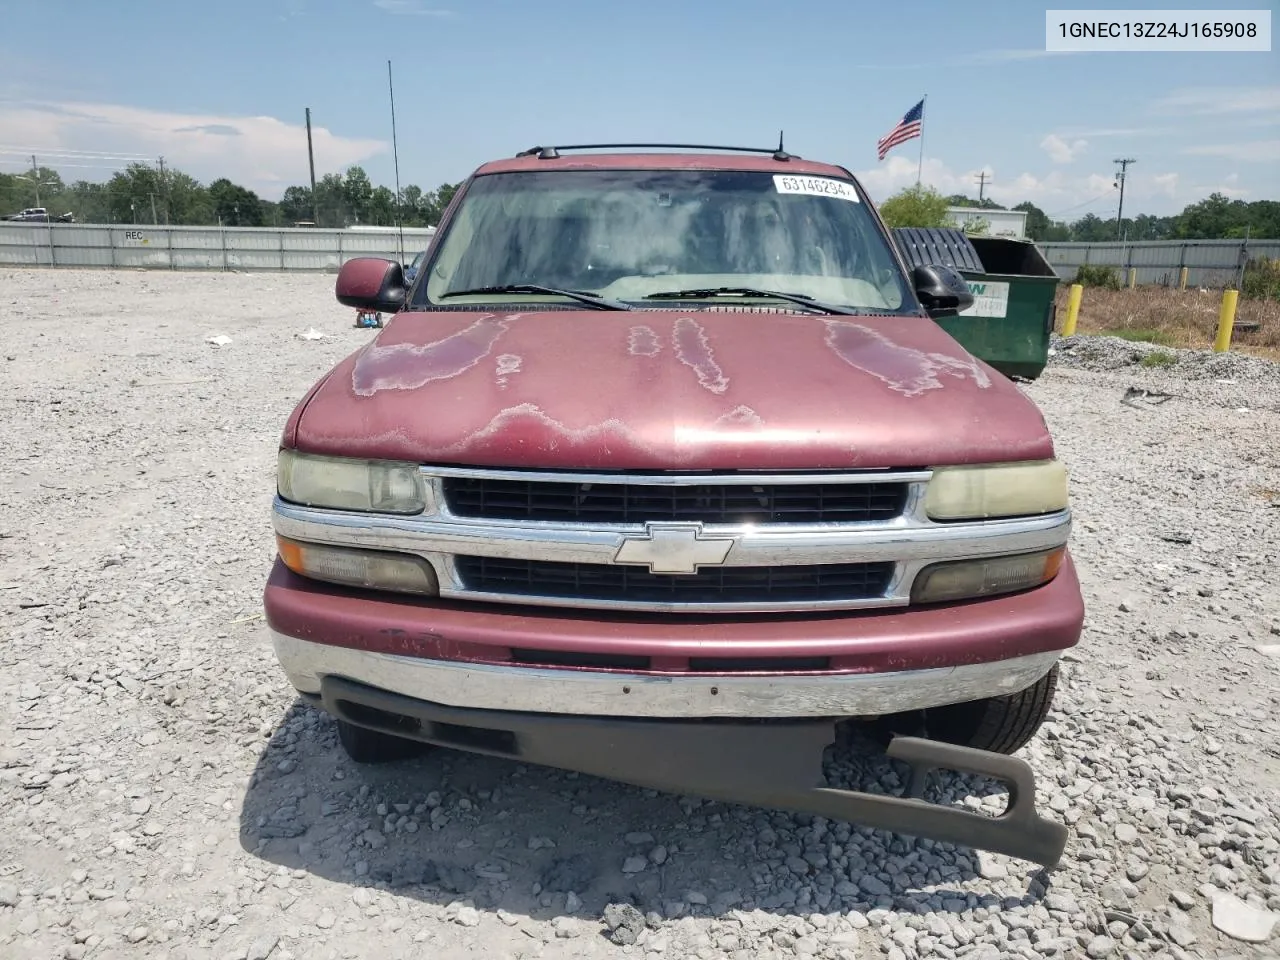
point(999, 724)
point(371, 746)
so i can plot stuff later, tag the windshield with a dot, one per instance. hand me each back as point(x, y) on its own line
point(629, 235)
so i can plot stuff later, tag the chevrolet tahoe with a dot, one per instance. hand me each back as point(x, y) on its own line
point(681, 548)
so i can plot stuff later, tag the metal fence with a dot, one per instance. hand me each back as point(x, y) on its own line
point(199, 248)
point(1214, 264)
point(1209, 263)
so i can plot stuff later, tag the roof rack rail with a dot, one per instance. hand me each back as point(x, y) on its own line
point(553, 152)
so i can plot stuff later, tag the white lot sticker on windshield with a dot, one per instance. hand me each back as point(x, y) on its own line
point(815, 186)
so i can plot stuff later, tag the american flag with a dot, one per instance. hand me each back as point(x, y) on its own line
point(907, 128)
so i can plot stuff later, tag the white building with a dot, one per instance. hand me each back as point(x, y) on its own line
point(1000, 223)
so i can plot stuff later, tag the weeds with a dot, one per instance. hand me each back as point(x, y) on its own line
point(1099, 276)
point(1158, 358)
point(1176, 318)
point(1261, 279)
point(1162, 337)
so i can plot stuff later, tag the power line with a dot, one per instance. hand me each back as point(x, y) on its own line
point(1079, 205)
point(60, 164)
point(85, 154)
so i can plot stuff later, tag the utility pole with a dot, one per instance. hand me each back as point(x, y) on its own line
point(35, 177)
point(311, 158)
point(982, 184)
point(1119, 182)
point(36, 182)
point(164, 193)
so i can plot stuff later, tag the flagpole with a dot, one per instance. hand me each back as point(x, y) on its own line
point(920, 165)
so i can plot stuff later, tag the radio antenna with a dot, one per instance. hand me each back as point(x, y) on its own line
point(395, 153)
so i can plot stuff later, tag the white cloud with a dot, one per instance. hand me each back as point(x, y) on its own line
point(410, 8)
point(1006, 56)
point(1058, 193)
point(1091, 132)
point(1227, 187)
point(969, 59)
point(896, 172)
point(1256, 151)
point(1166, 183)
point(1054, 191)
point(262, 153)
point(1060, 151)
point(1217, 100)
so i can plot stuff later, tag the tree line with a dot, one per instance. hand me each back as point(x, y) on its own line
point(143, 193)
point(1214, 218)
point(146, 194)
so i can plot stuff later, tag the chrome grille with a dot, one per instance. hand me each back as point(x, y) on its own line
point(617, 582)
point(618, 501)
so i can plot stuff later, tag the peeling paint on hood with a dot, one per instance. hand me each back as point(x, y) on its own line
point(695, 352)
point(408, 366)
point(643, 342)
point(905, 369)
point(589, 389)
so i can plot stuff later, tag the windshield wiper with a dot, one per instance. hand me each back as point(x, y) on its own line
point(803, 299)
point(590, 299)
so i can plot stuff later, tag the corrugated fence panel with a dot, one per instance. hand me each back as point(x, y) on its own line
point(25, 244)
point(140, 248)
point(1209, 263)
point(251, 240)
point(198, 248)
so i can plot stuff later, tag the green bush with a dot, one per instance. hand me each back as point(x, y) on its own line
point(1096, 275)
point(1261, 279)
point(1158, 358)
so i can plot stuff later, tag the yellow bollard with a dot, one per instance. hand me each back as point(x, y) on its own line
point(1226, 321)
point(1182, 279)
point(1073, 310)
point(1133, 277)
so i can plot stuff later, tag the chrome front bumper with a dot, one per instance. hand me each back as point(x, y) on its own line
point(614, 694)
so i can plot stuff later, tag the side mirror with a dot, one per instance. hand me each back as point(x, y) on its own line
point(941, 290)
point(371, 283)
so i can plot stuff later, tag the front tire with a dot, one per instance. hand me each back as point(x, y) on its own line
point(371, 746)
point(998, 724)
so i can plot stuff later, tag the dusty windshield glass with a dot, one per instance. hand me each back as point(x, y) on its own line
point(630, 234)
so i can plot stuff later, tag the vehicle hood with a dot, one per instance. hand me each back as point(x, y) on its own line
point(664, 389)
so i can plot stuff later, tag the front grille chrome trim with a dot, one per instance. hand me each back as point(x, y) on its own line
point(677, 478)
point(911, 541)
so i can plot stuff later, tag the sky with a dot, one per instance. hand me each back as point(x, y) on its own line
point(219, 89)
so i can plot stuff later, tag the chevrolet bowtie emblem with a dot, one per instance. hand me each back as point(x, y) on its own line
point(674, 548)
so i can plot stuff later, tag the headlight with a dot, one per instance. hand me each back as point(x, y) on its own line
point(997, 490)
point(371, 569)
point(970, 579)
point(373, 486)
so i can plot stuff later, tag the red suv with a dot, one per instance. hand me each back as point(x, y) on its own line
point(680, 548)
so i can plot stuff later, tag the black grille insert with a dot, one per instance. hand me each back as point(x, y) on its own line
point(602, 581)
point(621, 502)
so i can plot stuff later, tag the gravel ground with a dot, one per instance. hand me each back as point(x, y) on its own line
point(163, 794)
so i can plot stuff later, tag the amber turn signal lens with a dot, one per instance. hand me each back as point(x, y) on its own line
point(353, 567)
point(987, 577)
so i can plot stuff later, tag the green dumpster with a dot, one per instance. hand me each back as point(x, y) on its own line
point(1013, 286)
